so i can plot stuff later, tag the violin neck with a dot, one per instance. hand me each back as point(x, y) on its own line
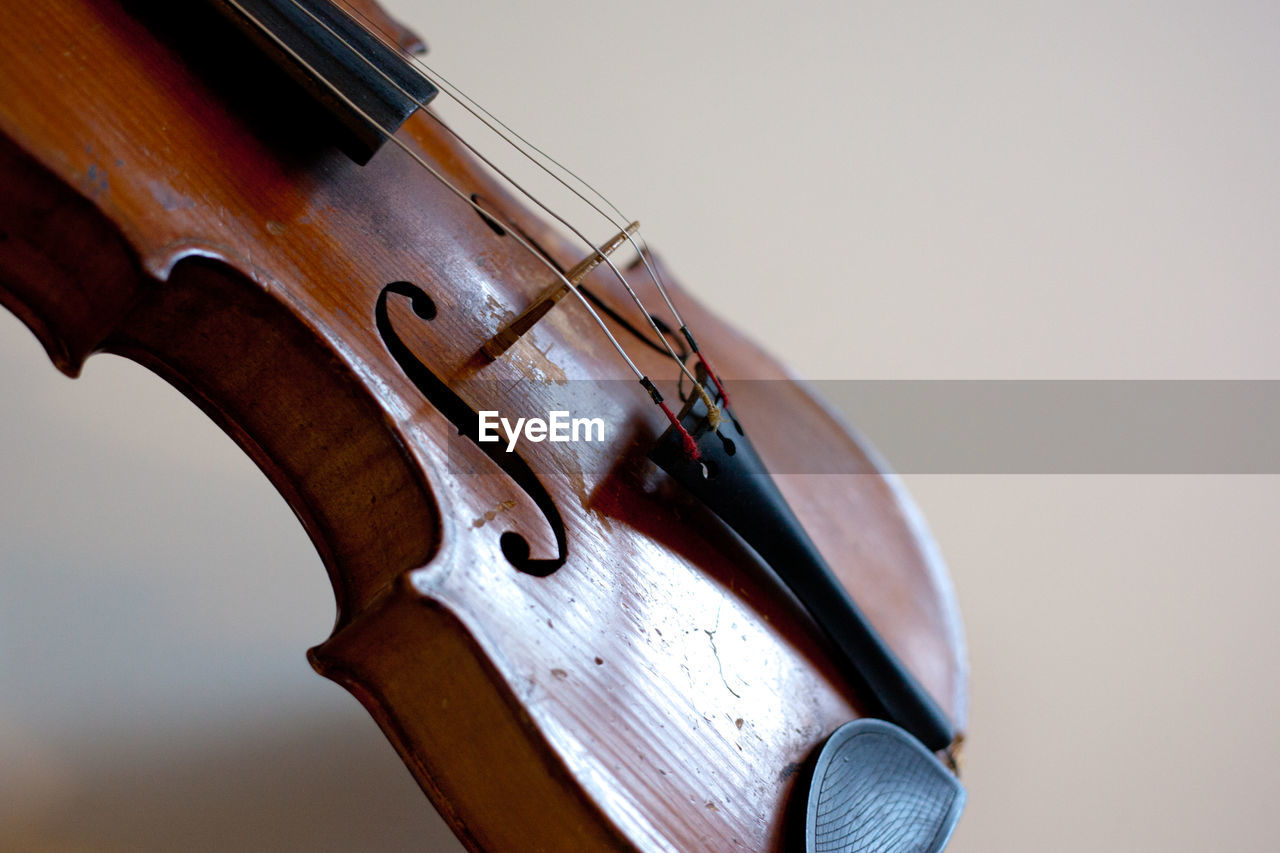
point(355, 74)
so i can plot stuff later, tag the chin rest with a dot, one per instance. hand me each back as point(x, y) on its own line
point(876, 789)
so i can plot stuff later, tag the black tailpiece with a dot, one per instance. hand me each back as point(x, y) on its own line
point(734, 484)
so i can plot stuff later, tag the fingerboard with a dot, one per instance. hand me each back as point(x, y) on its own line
point(368, 86)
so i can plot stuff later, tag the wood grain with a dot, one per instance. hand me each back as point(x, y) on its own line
point(657, 692)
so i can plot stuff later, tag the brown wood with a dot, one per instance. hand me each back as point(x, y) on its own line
point(659, 690)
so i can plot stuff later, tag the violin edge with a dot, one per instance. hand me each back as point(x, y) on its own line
point(70, 300)
point(934, 563)
point(99, 296)
point(148, 282)
point(496, 793)
point(105, 298)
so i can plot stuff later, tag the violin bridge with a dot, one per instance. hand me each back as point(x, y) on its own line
point(516, 329)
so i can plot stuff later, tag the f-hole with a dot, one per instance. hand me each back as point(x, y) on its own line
point(467, 421)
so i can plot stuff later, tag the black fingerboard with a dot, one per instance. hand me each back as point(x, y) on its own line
point(368, 86)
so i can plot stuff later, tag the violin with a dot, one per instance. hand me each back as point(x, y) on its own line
point(633, 638)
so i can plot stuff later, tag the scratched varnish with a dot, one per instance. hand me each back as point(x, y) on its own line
point(659, 691)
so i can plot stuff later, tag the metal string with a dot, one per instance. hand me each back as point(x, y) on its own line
point(557, 216)
point(617, 219)
point(466, 199)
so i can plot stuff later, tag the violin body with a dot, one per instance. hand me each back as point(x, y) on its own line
point(653, 687)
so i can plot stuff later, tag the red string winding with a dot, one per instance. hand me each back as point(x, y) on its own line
point(690, 446)
point(724, 395)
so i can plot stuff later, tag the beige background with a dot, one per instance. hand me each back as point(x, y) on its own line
point(873, 190)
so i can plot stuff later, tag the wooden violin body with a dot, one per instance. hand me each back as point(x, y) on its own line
point(655, 688)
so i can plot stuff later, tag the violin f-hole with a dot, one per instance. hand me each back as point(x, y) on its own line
point(466, 420)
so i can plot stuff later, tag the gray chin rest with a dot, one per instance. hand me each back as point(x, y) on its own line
point(876, 789)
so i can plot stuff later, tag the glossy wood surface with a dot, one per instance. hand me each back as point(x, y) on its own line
point(660, 690)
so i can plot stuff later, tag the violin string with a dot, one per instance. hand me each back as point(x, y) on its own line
point(527, 149)
point(524, 146)
point(617, 273)
point(690, 446)
point(391, 137)
point(706, 399)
